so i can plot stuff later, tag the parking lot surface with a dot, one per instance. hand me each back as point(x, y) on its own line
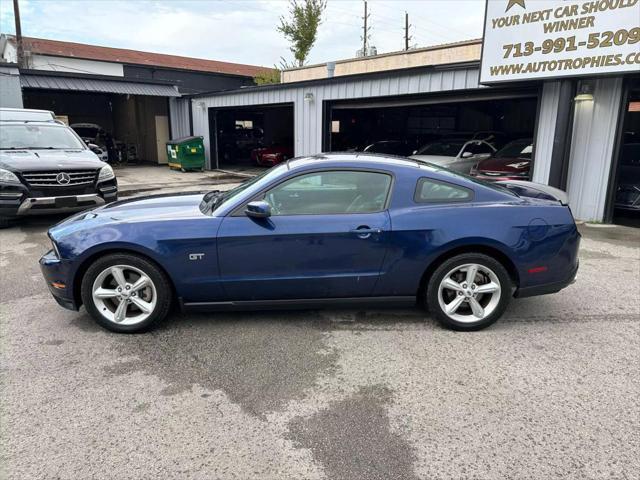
point(550, 391)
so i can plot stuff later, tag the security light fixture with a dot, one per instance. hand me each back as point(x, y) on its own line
point(308, 97)
point(585, 92)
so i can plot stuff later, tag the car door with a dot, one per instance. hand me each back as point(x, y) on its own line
point(325, 238)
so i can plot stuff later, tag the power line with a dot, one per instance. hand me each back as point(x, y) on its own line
point(414, 16)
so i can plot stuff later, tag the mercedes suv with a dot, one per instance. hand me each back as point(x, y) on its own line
point(45, 167)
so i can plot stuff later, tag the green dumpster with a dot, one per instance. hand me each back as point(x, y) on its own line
point(186, 153)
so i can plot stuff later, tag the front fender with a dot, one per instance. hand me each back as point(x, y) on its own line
point(171, 244)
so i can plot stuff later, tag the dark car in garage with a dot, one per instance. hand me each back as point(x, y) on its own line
point(391, 147)
point(628, 191)
point(273, 155)
point(512, 162)
point(45, 167)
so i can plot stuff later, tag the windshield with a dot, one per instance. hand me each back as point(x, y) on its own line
point(519, 149)
point(445, 149)
point(19, 137)
point(216, 199)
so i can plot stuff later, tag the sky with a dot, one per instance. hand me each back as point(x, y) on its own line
point(242, 31)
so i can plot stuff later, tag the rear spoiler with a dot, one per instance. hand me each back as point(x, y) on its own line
point(535, 190)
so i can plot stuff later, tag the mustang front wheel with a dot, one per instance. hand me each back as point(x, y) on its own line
point(469, 292)
point(125, 293)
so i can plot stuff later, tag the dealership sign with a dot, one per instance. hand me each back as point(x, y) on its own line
point(533, 39)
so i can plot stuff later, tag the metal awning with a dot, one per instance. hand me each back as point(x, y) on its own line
point(75, 84)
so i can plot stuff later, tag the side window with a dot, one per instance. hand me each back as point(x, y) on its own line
point(435, 191)
point(330, 192)
point(478, 148)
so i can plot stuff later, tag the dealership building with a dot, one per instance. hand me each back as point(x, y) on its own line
point(584, 122)
point(571, 84)
point(138, 98)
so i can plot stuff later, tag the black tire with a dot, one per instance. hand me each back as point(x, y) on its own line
point(162, 285)
point(506, 290)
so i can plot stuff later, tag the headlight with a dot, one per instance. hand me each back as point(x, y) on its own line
point(106, 173)
point(8, 177)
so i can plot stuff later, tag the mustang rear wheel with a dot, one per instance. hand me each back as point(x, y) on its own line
point(469, 291)
point(125, 293)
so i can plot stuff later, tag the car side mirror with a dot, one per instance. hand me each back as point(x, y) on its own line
point(258, 209)
point(467, 155)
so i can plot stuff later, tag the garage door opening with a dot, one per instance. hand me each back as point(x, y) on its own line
point(126, 129)
point(439, 127)
point(251, 136)
point(626, 188)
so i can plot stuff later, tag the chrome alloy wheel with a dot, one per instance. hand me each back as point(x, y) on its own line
point(469, 293)
point(124, 295)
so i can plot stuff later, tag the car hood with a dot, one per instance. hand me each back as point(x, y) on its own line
point(156, 208)
point(37, 160)
point(508, 164)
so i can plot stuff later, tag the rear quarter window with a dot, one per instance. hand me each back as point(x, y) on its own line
point(429, 190)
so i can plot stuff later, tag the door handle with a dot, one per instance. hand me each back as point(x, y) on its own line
point(365, 232)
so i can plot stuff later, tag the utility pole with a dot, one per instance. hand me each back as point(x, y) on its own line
point(406, 31)
point(19, 47)
point(365, 31)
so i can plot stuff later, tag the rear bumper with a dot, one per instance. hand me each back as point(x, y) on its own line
point(547, 288)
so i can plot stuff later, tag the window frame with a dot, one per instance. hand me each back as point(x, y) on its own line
point(422, 180)
point(239, 211)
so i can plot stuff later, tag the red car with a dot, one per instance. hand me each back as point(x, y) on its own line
point(512, 162)
point(270, 156)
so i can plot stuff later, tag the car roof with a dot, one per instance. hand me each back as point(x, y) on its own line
point(367, 159)
point(382, 160)
point(46, 123)
point(371, 160)
point(26, 115)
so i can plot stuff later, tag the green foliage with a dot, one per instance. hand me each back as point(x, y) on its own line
point(267, 76)
point(301, 29)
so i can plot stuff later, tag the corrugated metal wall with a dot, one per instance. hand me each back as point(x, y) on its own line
point(595, 126)
point(179, 114)
point(10, 91)
point(308, 114)
point(547, 117)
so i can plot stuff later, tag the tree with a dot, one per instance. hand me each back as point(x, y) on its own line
point(301, 29)
point(268, 76)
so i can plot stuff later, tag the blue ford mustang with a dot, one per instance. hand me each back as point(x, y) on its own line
point(334, 229)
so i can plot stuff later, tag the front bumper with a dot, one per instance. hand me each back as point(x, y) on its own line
point(18, 201)
point(59, 282)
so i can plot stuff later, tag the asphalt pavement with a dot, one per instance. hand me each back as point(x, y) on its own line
point(550, 391)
